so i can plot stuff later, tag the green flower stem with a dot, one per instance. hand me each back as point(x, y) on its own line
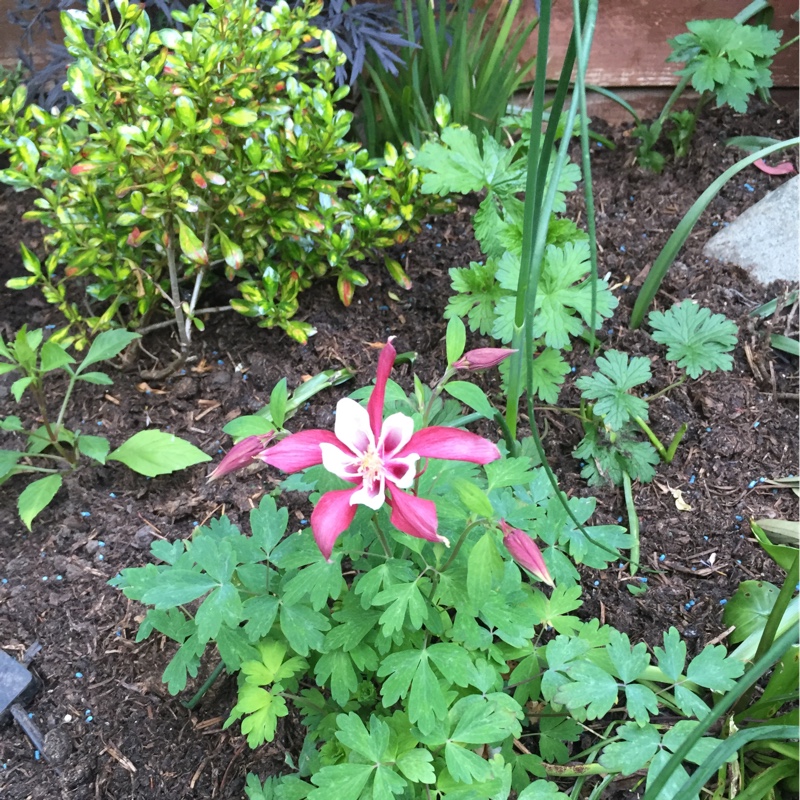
point(633, 522)
point(381, 537)
point(73, 377)
point(676, 440)
point(205, 687)
point(461, 540)
point(654, 440)
point(175, 289)
point(511, 442)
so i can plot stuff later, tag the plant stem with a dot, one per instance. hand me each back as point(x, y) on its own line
point(168, 322)
point(30, 468)
point(676, 440)
point(666, 389)
point(654, 440)
point(381, 537)
point(63, 410)
point(176, 290)
point(205, 687)
point(573, 770)
point(633, 522)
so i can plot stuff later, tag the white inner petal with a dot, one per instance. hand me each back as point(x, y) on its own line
point(352, 426)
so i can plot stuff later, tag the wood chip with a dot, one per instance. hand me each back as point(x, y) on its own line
point(111, 399)
point(124, 761)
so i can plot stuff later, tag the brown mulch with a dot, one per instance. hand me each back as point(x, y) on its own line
point(116, 731)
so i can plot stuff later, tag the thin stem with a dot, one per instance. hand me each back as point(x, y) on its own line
point(30, 468)
point(654, 440)
point(787, 44)
point(666, 389)
point(511, 442)
point(381, 537)
point(633, 522)
point(205, 687)
point(168, 322)
point(676, 440)
point(63, 410)
point(461, 540)
point(176, 290)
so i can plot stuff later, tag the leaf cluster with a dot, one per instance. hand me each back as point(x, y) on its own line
point(486, 291)
point(213, 151)
point(51, 442)
point(726, 58)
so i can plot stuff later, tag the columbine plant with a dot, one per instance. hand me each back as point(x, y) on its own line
point(420, 670)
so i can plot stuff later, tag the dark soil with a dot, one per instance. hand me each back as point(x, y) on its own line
point(111, 725)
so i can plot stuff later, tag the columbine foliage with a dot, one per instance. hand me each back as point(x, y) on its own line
point(486, 292)
point(215, 150)
point(51, 448)
point(418, 668)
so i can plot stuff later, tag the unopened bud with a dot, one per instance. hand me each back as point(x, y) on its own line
point(483, 358)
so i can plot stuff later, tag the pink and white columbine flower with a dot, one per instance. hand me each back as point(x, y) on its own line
point(379, 458)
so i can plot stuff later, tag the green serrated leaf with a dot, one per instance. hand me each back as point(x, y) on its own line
point(94, 447)
point(155, 453)
point(610, 386)
point(696, 339)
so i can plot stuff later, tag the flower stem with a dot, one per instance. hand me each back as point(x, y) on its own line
point(381, 537)
point(633, 522)
point(654, 440)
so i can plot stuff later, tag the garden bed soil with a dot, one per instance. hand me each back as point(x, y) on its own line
point(113, 730)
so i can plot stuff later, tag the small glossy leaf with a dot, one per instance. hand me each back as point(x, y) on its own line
point(107, 345)
point(154, 453)
point(36, 496)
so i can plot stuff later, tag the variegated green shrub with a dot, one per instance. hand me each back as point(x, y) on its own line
point(189, 155)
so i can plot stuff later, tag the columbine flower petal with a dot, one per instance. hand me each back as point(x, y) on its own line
point(415, 516)
point(396, 432)
point(352, 426)
point(525, 552)
point(298, 451)
point(342, 463)
point(452, 444)
point(483, 358)
point(242, 454)
point(330, 518)
point(376, 399)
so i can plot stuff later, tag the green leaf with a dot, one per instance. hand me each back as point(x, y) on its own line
point(629, 662)
point(303, 628)
point(94, 447)
point(222, 606)
point(509, 471)
point(336, 666)
point(8, 460)
point(542, 790)
point(471, 395)
point(190, 245)
point(107, 345)
point(782, 554)
point(549, 369)
point(590, 688)
point(485, 569)
point(19, 386)
point(185, 663)
point(402, 599)
point(455, 340)
point(609, 388)
point(416, 765)
point(696, 339)
point(240, 117)
point(483, 720)
point(637, 748)
point(248, 425)
point(749, 609)
point(154, 453)
point(343, 782)
point(54, 356)
point(96, 378)
point(672, 657)
point(714, 670)
point(261, 709)
point(176, 587)
point(36, 496)
point(466, 766)
point(277, 403)
point(352, 733)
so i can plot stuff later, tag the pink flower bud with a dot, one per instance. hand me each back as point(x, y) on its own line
point(241, 454)
point(525, 552)
point(483, 358)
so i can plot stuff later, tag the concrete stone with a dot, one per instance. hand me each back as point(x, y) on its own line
point(764, 239)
